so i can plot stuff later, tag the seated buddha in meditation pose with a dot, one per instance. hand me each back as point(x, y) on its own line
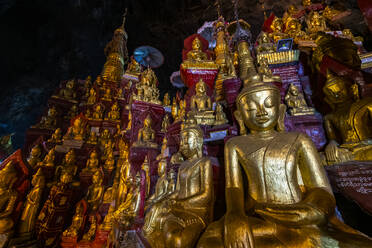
point(265, 45)
point(349, 123)
point(114, 114)
point(76, 131)
point(196, 54)
point(295, 100)
point(146, 135)
point(277, 27)
point(187, 211)
point(266, 73)
point(76, 223)
point(201, 105)
point(68, 92)
point(277, 192)
point(315, 23)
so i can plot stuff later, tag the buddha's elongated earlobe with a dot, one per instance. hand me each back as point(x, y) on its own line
point(280, 127)
point(239, 118)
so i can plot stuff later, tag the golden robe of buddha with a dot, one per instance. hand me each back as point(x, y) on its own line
point(266, 73)
point(104, 138)
point(48, 160)
point(76, 223)
point(114, 114)
point(146, 135)
point(95, 192)
point(220, 115)
point(8, 197)
point(98, 112)
point(165, 123)
point(185, 213)
point(295, 100)
point(90, 234)
point(155, 201)
point(201, 105)
point(350, 118)
point(293, 29)
point(56, 136)
point(146, 168)
point(92, 139)
point(286, 200)
point(166, 100)
point(92, 98)
point(32, 204)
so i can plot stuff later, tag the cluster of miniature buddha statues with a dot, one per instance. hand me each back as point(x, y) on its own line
point(107, 164)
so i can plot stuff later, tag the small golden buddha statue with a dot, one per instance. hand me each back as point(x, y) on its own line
point(76, 131)
point(119, 94)
point(31, 207)
point(146, 168)
point(220, 116)
point(164, 151)
point(107, 149)
point(125, 173)
point(107, 95)
point(48, 160)
point(265, 45)
point(290, 12)
point(87, 85)
point(181, 113)
point(8, 197)
point(77, 222)
point(146, 135)
point(128, 210)
point(92, 138)
point(306, 3)
point(196, 54)
point(134, 67)
point(285, 201)
point(110, 161)
point(171, 182)
point(98, 112)
point(184, 214)
point(155, 201)
point(92, 164)
point(104, 137)
point(68, 92)
point(98, 81)
point(118, 132)
point(92, 98)
point(165, 123)
point(296, 103)
point(166, 100)
point(49, 121)
point(315, 23)
point(266, 73)
point(95, 192)
point(277, 28)
point(147, 90)
point(350, 119)
point(56, 136)
point(68, 165)
point(35, 156)
point(201, 105)
point(114, 114)
point(90, 234)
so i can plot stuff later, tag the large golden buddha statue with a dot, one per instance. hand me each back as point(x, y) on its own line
point(188, 210)
point(146, 135)
point(350, 118)
point(287, 200)
point(147, 90)
point(201, 105)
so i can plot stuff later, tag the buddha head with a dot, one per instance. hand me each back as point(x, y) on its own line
point(292, 9)
point(191, 142)
point(293, 90)
point(201, 87)
point(347, 33)
point(52, 112)
point(336, 89)
point(292, 25)
point(315, 19)
point(264, 38)
point(106, 134)
point(147, 122)
point(171, 174)
point(93, 155)
point(162, 167)
point(258, 107)
point(70, 85)
point(277, 25)
point(38, 179)
point(78, 122)
point(197, 44)
point(98, 80)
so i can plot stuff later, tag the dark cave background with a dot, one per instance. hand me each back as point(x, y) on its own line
point(45, 41)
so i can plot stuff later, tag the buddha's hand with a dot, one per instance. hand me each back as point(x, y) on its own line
point(297, 214)
point(237, 232)
point(331, 151)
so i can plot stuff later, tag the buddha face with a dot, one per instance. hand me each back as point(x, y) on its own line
point(260, 109)
point(97, 177)
point(52, 112)
point(35, 152)
point(265, 38)
point(196, 44)
point(200, 88)
point(190, 144)
point(293, 90)
point(93, 155)
point(337, 92)
point(106, 133)
point(77, 122)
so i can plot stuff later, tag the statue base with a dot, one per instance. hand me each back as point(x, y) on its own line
point(69, 144)
point(68, 242)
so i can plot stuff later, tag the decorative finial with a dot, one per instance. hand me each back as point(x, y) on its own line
point(124, 18)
